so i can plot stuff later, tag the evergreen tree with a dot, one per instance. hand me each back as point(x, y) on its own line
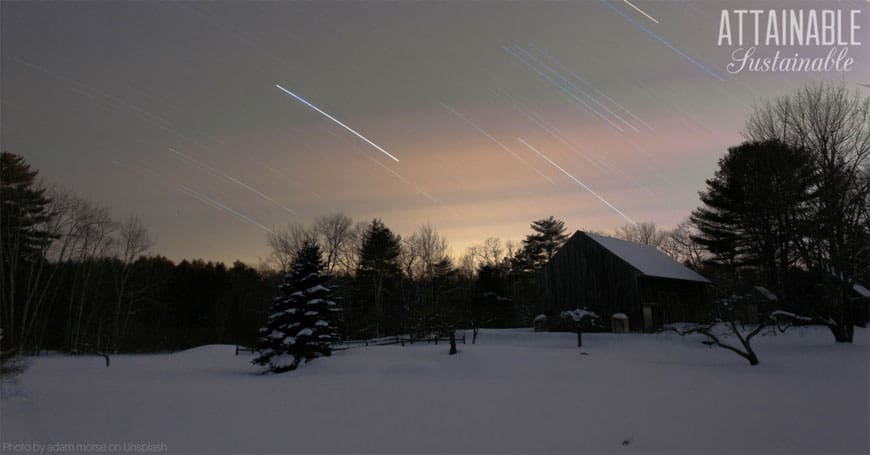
point(547, 237)
point(755, 207)
point(302, 323)
point(24, 237)
point(377, 309)
point(23, 209)
point(491, 306)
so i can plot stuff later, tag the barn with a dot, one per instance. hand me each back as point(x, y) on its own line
point(614, 277)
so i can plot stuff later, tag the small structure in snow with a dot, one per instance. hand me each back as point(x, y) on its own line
point(540, 323)
point(619, 323)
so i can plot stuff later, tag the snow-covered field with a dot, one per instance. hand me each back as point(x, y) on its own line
point(515, 391)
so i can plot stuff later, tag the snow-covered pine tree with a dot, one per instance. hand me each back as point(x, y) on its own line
point(302, 324)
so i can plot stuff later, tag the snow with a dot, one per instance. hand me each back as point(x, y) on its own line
point(647, 259)
point(306, 332)
point(515, 391)
point(620, 316)
point(282, 361)
point(790, 315)
point(861, 290)
point(767, 293)
point(319, 287)
point(578, 315)
point(541, 318)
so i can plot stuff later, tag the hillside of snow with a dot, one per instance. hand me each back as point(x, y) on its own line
point(514, 391)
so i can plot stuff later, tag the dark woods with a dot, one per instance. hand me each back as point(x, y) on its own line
point(77, 281)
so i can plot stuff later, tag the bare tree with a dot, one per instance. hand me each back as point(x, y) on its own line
point(132, 242)
point(834, 126)
point(511, 248)
point(40, 276)
point(426, 250)
point(410, 255)
point(679, 245)
point(286, 241)
point(66, 228)
point(645, 233)
point(349, 256)
point(335, 232)
point(727, 324)
point(468, 262)
point(94, 241)
point(430, 248)
point(492, 251)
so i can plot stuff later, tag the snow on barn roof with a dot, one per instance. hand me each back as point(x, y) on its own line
point(647, 259)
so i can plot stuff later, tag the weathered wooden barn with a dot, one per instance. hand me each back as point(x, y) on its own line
point(611, 276)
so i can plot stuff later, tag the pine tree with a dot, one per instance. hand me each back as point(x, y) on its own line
point(302, 324)
point(378, 309)
point(24, 209)
point(755, 210)
point(24, 215)
point(549, 236)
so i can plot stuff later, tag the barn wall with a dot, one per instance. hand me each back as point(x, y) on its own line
point(679, 301)
point(585, 274)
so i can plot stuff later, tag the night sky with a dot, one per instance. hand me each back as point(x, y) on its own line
point(498, 113)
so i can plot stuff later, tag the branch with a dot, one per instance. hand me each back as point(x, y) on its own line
point(706, 330)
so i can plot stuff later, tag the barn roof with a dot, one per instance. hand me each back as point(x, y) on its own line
point(647, 259)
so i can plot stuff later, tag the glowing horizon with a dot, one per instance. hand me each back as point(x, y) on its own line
point(639, 112)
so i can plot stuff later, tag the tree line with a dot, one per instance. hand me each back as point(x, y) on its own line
point(787, 209)
point(76, 280)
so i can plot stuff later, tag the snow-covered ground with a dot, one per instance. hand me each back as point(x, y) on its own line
point(515, 391)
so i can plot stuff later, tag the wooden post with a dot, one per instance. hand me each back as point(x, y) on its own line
point(452, 342)
point(579, 337)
